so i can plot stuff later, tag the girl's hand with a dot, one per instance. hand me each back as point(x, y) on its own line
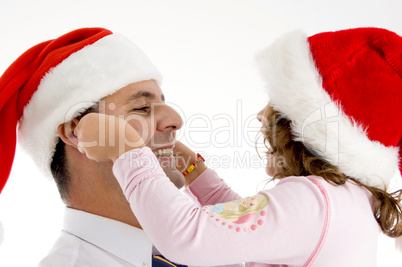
point(103, 137)
point(184, 157)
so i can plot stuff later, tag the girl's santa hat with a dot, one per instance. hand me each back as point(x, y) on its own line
point(342, 92)
point(55, 81)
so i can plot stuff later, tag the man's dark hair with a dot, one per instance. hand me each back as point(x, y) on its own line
point(59, 164)
point(59, 169)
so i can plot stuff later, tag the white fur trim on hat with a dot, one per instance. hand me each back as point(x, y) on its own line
point(295, 89)
point(77, 83)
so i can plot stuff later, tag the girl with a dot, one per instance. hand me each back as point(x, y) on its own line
point(333, 120)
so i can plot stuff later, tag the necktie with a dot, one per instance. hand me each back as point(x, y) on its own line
point(160, 261)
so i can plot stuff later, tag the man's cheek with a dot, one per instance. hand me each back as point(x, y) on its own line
point(148, 136)
point(142, 126)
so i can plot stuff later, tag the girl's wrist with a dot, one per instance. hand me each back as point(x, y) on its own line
point(193, 175)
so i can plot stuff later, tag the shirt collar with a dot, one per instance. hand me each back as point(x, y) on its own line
point(122, 240)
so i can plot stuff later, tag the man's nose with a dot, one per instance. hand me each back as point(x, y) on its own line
point(167, 118)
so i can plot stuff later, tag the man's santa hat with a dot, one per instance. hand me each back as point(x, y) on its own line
point(342, 92)
point(55, 81)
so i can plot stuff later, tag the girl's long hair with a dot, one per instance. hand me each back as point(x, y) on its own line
point(299, 161)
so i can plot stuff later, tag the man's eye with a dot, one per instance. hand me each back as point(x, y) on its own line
point(141, 109)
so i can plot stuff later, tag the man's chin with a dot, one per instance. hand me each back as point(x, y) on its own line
point(175, 177)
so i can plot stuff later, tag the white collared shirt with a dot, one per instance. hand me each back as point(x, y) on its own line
point(94, 241)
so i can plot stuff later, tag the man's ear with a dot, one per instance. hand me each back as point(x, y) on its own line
point(66, 132)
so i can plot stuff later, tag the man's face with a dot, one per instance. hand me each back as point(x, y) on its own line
point(143, 105)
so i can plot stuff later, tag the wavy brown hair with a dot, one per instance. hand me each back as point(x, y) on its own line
point(299, 161)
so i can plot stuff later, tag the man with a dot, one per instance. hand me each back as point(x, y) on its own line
point(45, 91)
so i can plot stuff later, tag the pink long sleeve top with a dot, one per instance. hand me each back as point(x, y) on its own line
point(302, 221)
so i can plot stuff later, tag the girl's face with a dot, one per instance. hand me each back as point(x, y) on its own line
point(261, 115)
point(272, 159)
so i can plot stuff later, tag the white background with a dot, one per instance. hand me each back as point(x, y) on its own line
point(204, 49)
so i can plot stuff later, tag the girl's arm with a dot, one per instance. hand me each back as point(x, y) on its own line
point(282, 225)
point(202, 184)
point(210, 189)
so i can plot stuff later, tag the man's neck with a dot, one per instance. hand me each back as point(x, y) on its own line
point(94, 189)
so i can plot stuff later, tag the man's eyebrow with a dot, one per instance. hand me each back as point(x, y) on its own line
point(144, 94)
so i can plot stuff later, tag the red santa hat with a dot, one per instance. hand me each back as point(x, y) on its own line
point(55, 81)
point(342, 91)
